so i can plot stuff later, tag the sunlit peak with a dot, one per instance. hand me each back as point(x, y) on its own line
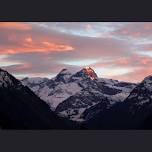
point(90, 72)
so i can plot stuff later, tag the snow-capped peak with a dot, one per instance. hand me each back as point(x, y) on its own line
point(148, 79)
point(90, 72)
point(86, 73)
point(148, 82)
point(6, 79)
point(63, 75)
point(65, 71)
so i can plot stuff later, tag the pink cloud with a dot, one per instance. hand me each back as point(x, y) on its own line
point(135, 30)
point(15, 25)
point(30, 44)
point(137, 76)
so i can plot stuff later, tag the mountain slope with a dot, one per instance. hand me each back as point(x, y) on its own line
point(134, 113)
point(20, 108)
point(55, 90)
point(64, 85)
point(70, 94)
point(104, 91)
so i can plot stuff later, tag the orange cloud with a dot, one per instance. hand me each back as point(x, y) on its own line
point(145, 60)
point(148, 26)
point(44, 47)
point(137, 76)
point(58, 47)
point(123, 61)
point(15, 25)
point(137, 34)
point(28, 39)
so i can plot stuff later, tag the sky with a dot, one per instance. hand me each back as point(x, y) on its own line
point(116, 50)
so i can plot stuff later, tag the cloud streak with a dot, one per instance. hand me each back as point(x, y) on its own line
point(115, 50)
point(15, 25)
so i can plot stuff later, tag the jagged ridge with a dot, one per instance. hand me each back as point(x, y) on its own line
point(83, 87)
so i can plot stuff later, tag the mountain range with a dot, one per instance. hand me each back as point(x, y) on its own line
point(70, 94)
point(20, 108)
point(74, 100)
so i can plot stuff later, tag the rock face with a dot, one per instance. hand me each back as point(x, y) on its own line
point(88, 72)
point(70, 94)
point(135, 112)
point(20, 108)
point(102, 91)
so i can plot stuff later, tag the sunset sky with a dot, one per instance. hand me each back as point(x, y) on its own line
point(117, 50)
